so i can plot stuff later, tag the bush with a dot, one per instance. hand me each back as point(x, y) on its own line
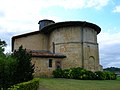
point(30, 85)
point(105, 75)
point(110, 75)
point(100, 75)
point(58, 73)
point(83, 74)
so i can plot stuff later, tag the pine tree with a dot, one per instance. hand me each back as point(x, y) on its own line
point(24, 69)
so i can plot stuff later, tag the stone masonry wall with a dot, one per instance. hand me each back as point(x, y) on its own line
point(32, 42)
point(42, 66)
point(78, 44)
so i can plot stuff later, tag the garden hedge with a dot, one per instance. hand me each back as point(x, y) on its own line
point(30, 85)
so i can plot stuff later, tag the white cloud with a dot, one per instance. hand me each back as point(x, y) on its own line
point(117, 9)
point(28, 11)
point(98, 4)
point(23, 15)
point(109, 49)
point(109, 38)
point(7, 49)
point(78, 4)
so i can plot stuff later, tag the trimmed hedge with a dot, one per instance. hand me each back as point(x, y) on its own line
point(83, 74)
point(30, 85)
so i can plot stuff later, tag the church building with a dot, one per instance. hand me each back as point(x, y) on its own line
point(61, 45)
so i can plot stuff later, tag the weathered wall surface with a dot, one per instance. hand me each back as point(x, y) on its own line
point(89, 35)
point(78, 44)
point(67, 41)
point(42, 66)
point(32, 42)
point(90, 49)
point(91, 58)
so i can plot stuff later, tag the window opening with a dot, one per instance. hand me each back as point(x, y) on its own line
point(50, 62)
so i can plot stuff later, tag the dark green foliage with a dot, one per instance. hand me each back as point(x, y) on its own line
point(110, 75)
point(2, 45)
point(112, 69)
point(83, 74)
point(58, 73)
point(30, 85)
point(100, 75)
point(105, 75)
point(66, 73)
point(15, 68)
point(24, 67)
point(7, 68)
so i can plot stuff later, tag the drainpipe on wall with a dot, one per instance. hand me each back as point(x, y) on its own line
point(53, 47)
point(82, 49)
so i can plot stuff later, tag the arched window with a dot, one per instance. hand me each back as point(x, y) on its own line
point(58, 64)
point(91, 63)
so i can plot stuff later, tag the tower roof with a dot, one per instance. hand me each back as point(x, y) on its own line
point(51, 27)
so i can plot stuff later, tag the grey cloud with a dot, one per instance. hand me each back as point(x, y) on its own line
point(110, 55)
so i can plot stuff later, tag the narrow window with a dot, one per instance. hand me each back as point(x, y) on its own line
point(50, 63)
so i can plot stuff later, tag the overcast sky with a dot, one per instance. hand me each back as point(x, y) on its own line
point(21, 16)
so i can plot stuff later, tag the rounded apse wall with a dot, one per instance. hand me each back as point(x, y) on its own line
point(72, 35)
point(77, 40)
point(78, 44)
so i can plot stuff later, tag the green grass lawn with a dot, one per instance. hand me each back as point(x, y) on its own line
point(71, 84)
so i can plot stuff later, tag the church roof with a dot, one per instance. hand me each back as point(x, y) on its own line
point(46, 54)
point(51, 27)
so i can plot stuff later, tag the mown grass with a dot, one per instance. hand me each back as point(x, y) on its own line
point(71, 84)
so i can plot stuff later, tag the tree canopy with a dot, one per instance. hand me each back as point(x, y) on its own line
point(2, 46)
point(112, 69)
point(16, 67)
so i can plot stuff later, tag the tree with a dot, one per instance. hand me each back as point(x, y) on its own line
point(2, 46)
point(24, 69)
point(15, 68)
point(7, 67)
point(112, 69)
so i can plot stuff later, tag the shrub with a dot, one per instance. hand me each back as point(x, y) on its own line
point(30, 85)
point(78, 73)
point(66, 73)
point(83, 74)
point(100, 75)
point(58, 73)
point(105, 75)
point(110, 75)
